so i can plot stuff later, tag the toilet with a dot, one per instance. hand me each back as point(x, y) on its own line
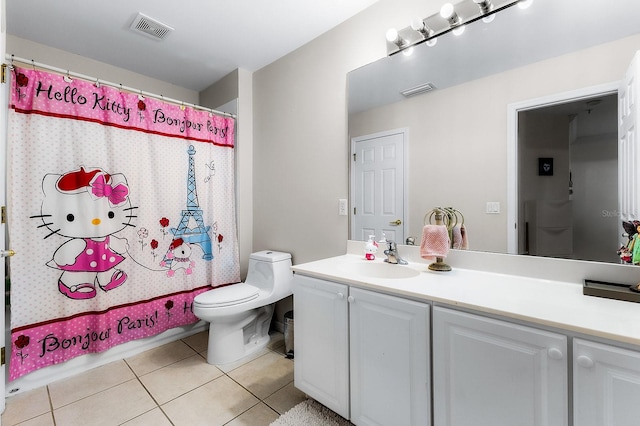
point(239, 315)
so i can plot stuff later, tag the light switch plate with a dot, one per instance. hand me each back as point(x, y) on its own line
point(342, 206)
point(493, 207)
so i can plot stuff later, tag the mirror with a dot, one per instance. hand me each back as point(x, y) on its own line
point(463, 134)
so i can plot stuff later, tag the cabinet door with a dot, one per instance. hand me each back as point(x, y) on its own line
point(321, 367)
point(606, 385)
point(488, 372)
point(389, 360)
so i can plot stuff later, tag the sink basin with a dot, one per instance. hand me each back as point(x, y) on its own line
point(380, 270)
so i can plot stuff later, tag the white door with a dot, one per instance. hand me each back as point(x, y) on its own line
point(606, 385)
point(390, 382)
point(3, 172)
point(321, 367)
point(628, 152)
point(378, 193)
point(488, 372)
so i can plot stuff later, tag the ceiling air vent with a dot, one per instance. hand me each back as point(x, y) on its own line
point(150, 27)
point(423, 88)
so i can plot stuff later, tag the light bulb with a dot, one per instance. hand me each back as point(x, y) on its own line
point(489, 19)
point(417, 24)
point(524, 4)
point(408, 51)
point(446, 10)
point(432, 42)
point(459, 30)
point(392, 35)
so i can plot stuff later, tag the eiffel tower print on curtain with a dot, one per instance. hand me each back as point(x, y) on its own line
point(199, 234)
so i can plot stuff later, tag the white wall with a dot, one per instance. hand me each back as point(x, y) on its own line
point(300, 133)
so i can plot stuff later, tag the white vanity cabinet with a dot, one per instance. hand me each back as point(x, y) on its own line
point(321, 367)
point(374, 344)
point(389, 362)
point(495, 373)
point(606, 385)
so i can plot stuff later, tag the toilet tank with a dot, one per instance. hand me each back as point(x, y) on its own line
point(271, 271)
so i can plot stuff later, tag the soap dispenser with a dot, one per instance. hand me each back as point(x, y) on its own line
point(370, 248)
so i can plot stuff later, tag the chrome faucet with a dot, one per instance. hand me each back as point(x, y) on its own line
point(392, 254)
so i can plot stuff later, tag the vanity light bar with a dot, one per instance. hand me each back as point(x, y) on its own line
point(465, 12)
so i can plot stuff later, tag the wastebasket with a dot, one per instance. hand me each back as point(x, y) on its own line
point(288, 334)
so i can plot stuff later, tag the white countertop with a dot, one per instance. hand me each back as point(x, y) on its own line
point(539, 301)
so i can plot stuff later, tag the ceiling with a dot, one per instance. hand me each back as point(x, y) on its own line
point(211, 38)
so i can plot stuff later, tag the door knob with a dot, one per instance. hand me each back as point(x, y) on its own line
point(396, 222)
point(7, 253)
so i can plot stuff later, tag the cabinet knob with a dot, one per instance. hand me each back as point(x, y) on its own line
point(555, 353)
point(340, 296)
point(350, 299)
point(585, 361)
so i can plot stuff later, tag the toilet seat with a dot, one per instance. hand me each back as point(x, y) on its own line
point(227, 296)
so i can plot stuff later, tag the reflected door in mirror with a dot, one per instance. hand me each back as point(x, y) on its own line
point(378, 186)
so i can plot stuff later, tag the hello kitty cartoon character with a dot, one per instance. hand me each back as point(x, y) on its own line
point(179, 255)
point(88, 207)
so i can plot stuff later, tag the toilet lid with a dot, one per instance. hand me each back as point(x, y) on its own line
point(227, 295)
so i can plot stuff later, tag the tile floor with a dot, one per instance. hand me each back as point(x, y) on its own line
point(168, 385)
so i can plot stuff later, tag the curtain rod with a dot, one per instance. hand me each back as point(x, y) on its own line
point(13, 58)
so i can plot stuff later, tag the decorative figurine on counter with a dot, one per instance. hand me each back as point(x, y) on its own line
point(371, 248)
point(630, 253)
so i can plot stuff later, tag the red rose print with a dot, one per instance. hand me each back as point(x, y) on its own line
point(154, 244)
point(169, 304)
point(22, 341)
point(22, 80)
point(142, 106)
point(164, 222)
point(220, 237)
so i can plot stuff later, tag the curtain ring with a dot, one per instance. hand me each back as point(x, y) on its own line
point(33, 64)
point(67, 78)
point(97, 82)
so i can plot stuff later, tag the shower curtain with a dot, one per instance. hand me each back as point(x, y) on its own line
point(121, 210)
